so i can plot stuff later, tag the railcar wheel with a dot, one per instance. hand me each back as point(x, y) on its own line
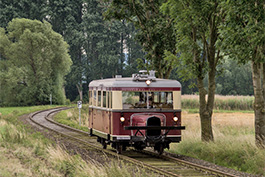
point(119, 148)
point(161, 149)
point(104, 144)
point(124, 148)
point(139, 148)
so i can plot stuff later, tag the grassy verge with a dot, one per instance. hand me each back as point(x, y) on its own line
point(70, 117)
point(27, 153)
point(239, 155)
point(234, 144)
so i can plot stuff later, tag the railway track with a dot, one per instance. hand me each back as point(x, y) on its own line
point(164, 165)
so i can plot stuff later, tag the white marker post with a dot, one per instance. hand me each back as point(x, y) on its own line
point(79, 105)
point(50, 99)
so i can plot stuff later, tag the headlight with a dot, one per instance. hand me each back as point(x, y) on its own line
point(122, 119)
point(148, 82)
point(175, 119)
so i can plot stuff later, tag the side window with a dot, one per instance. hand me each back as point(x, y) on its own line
point(130, 99)
point(104, 99)
point(99, 99)
point(163, 97)
point(156, 97)
point(90, 97)
point(110, 100)
point(94, 97)
point(169, 98)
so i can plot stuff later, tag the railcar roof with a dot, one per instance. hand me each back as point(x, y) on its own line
point(129, 82)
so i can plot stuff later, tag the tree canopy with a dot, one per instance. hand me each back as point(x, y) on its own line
point(244, 39)
point(155, 31)
point(100, 48)
point(34, 61)
point(197, 33)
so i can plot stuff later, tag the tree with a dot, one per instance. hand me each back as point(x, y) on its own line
point(234, 78)
point(156, 30)
point(197, 34)
point(36, 61)
point(97, 47)
point(243, 39)
point(134, 50)
point(22, 9)
point(66, 19)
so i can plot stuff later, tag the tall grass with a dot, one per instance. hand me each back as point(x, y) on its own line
point(76, 166)
point(27, 153)
point(234, 144)
point(10, 133)
point(221, 102)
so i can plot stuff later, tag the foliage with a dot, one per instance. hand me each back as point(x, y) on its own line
point(34, 10)
point(244, 39)
point(35, 65)
point(243, 36)
point(97, 47)
point(155, 31)
point(235, 79)
point(198, 56)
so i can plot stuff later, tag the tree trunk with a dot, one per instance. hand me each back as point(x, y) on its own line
point(205, 113)
point(259, 109)
point(206, 106)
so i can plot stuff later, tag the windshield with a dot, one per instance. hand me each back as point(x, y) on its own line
point(147, 100)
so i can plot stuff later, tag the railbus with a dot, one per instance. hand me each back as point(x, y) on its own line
point(139, 111)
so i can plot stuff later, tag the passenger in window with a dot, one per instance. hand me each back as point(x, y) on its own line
point(150, 102)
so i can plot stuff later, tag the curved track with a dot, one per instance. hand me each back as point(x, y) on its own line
point(164, 165)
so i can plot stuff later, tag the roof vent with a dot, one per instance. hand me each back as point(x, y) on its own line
point(143, 76)
point(152, 73)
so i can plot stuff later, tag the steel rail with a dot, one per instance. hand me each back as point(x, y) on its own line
point(123, 157)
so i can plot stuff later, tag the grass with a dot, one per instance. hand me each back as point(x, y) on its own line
point(70, 117)
point(234, 144)
point(218, 111)
point(27, 153)
point(22, 110)
point(221, 102)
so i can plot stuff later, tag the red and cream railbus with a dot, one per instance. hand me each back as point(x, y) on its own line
point(140, 111)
